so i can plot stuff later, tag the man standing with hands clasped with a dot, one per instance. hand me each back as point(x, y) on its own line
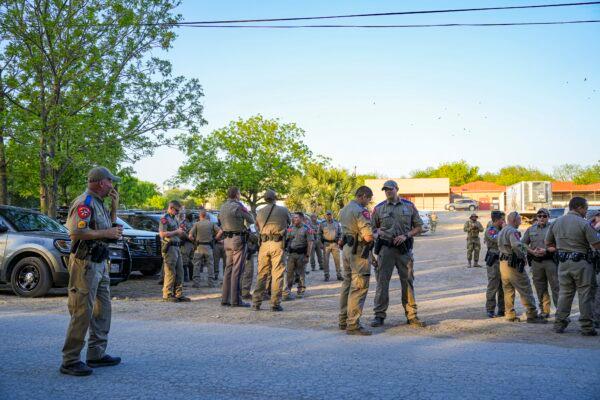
point(91, 226)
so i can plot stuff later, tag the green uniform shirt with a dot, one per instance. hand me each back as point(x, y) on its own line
point(572, 233)
point(509, 241)
point(232, 216)
point(299, 236)
point(168, 223)
point(491, 238)
point(535, 236)
point(355, 219)
point(394, 218)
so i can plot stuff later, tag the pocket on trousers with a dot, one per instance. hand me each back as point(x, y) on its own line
point(77, 297)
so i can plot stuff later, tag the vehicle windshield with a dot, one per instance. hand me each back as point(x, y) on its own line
point(556, 212)
point(125, 224)
point(27, 221)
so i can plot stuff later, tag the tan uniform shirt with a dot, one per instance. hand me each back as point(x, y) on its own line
point(232, 216)
point(491, 238)
point(330, 231)
point(278, 221)
point(395, 218)
point(356, 219)
point(88, 212)
point(204, 231)
point(572, 233)
point(299, 236)
point(168, 223)
point(535, 236)
point(509, 241)
point(473, 228)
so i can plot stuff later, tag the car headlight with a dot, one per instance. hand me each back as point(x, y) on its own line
point(63, 245)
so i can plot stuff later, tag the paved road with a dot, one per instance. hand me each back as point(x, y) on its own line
point(214, 361)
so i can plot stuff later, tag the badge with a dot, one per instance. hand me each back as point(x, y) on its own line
point(82, 225)
point(163, 221)
point(84, 212)
point(366, 214)
point(518, 235)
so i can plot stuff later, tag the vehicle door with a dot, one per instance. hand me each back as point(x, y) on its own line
point(4, 232)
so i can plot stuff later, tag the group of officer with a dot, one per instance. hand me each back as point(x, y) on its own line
point(563, 259)
point(383, 239)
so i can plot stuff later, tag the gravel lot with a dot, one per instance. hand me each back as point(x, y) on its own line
point(202, 350)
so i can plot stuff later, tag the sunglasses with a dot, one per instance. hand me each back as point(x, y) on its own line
point(542, 216)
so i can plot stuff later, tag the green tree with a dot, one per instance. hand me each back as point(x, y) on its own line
point(589, 175)
point(83, 88)
point(321, 188)
point(133, 191)
point(254, 154)
point(566, 172)
point(515, 173)
point(459, 172)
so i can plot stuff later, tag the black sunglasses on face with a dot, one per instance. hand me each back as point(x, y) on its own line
point(542, 216)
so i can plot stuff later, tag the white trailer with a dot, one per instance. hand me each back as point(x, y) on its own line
point(527, 197)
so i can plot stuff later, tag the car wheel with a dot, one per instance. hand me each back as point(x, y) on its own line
point(31, 277)
point(451, 208)
point(471, 208)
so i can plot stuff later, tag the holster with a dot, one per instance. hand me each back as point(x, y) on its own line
point(491, 258)
point(516, 262)
point(99, 252)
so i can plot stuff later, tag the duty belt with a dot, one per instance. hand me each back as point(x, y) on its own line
point(230, 234)
point(272, 238)
point(504, 257)
point(329, 241)
point(300, 250)
point(571, 255)
point(205, 243)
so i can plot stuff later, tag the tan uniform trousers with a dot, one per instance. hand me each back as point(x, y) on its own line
point(295, 265)
point(173, 267)
point(270, 271)
point(247, 276)
point(596, 290)
point(390, 258)
point(512, 281)
point(575, 276)
point(473, 250)
point(89, 306)
point(545, 273)
point(355, 287)
point(331, 249)
point(317, 250)
point(204, 266)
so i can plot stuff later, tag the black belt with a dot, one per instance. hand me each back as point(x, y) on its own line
point(504, 257)
point(230, 234)
point(205, 243)
point(300, 250)
point(272, 238)
point(572, 255)
point(329, 241)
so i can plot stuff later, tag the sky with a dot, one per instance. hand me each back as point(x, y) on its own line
point(389, 101)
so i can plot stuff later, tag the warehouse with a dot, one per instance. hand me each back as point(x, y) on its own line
point(562, 192)
point(426, 193)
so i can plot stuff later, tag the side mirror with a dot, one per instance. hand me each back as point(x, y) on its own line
point(3, 228)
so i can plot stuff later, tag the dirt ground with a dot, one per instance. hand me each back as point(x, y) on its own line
point(450, 299)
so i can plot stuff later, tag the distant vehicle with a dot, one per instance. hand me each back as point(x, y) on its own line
point(144, 249)
point(527, 197)
point(463, 204)
point(555, 213)
point(34, 253)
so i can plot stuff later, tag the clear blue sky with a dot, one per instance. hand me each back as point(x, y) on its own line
point(391, 101)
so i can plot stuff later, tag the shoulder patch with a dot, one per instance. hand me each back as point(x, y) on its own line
point(289, 230)
point(402, 199)
point(244, 209)
point(517, 235)
point(84, 212)
point(163, 220)
point(366, 214)
point(380, 204)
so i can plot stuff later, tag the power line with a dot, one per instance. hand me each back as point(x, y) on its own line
point(449, 25)
point(456, 10)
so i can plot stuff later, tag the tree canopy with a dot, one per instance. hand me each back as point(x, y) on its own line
point(255, 154)
point(459, 172)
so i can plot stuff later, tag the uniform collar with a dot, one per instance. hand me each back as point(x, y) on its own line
point(93, 194)
point(394, 202)
point(573, 212)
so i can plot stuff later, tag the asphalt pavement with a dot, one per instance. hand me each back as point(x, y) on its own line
point(186, 360)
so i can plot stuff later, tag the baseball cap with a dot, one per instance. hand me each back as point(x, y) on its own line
point(591, 214)
point(328, 212)
point(543, 211)
point(474, 215)
point(270, 195)
point(390, 184)
point(96, 174)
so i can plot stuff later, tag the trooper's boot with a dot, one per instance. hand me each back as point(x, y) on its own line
point(490, 314)
point(593, 332)
point(469, 264)
point(536, 320)
point(76, 369)
point(377, 321)
point(340, 278)
point(416, 323)
point(106, 361)
point(360, 331)
point(276, 308)
point(476, 265)
point(326, 279)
